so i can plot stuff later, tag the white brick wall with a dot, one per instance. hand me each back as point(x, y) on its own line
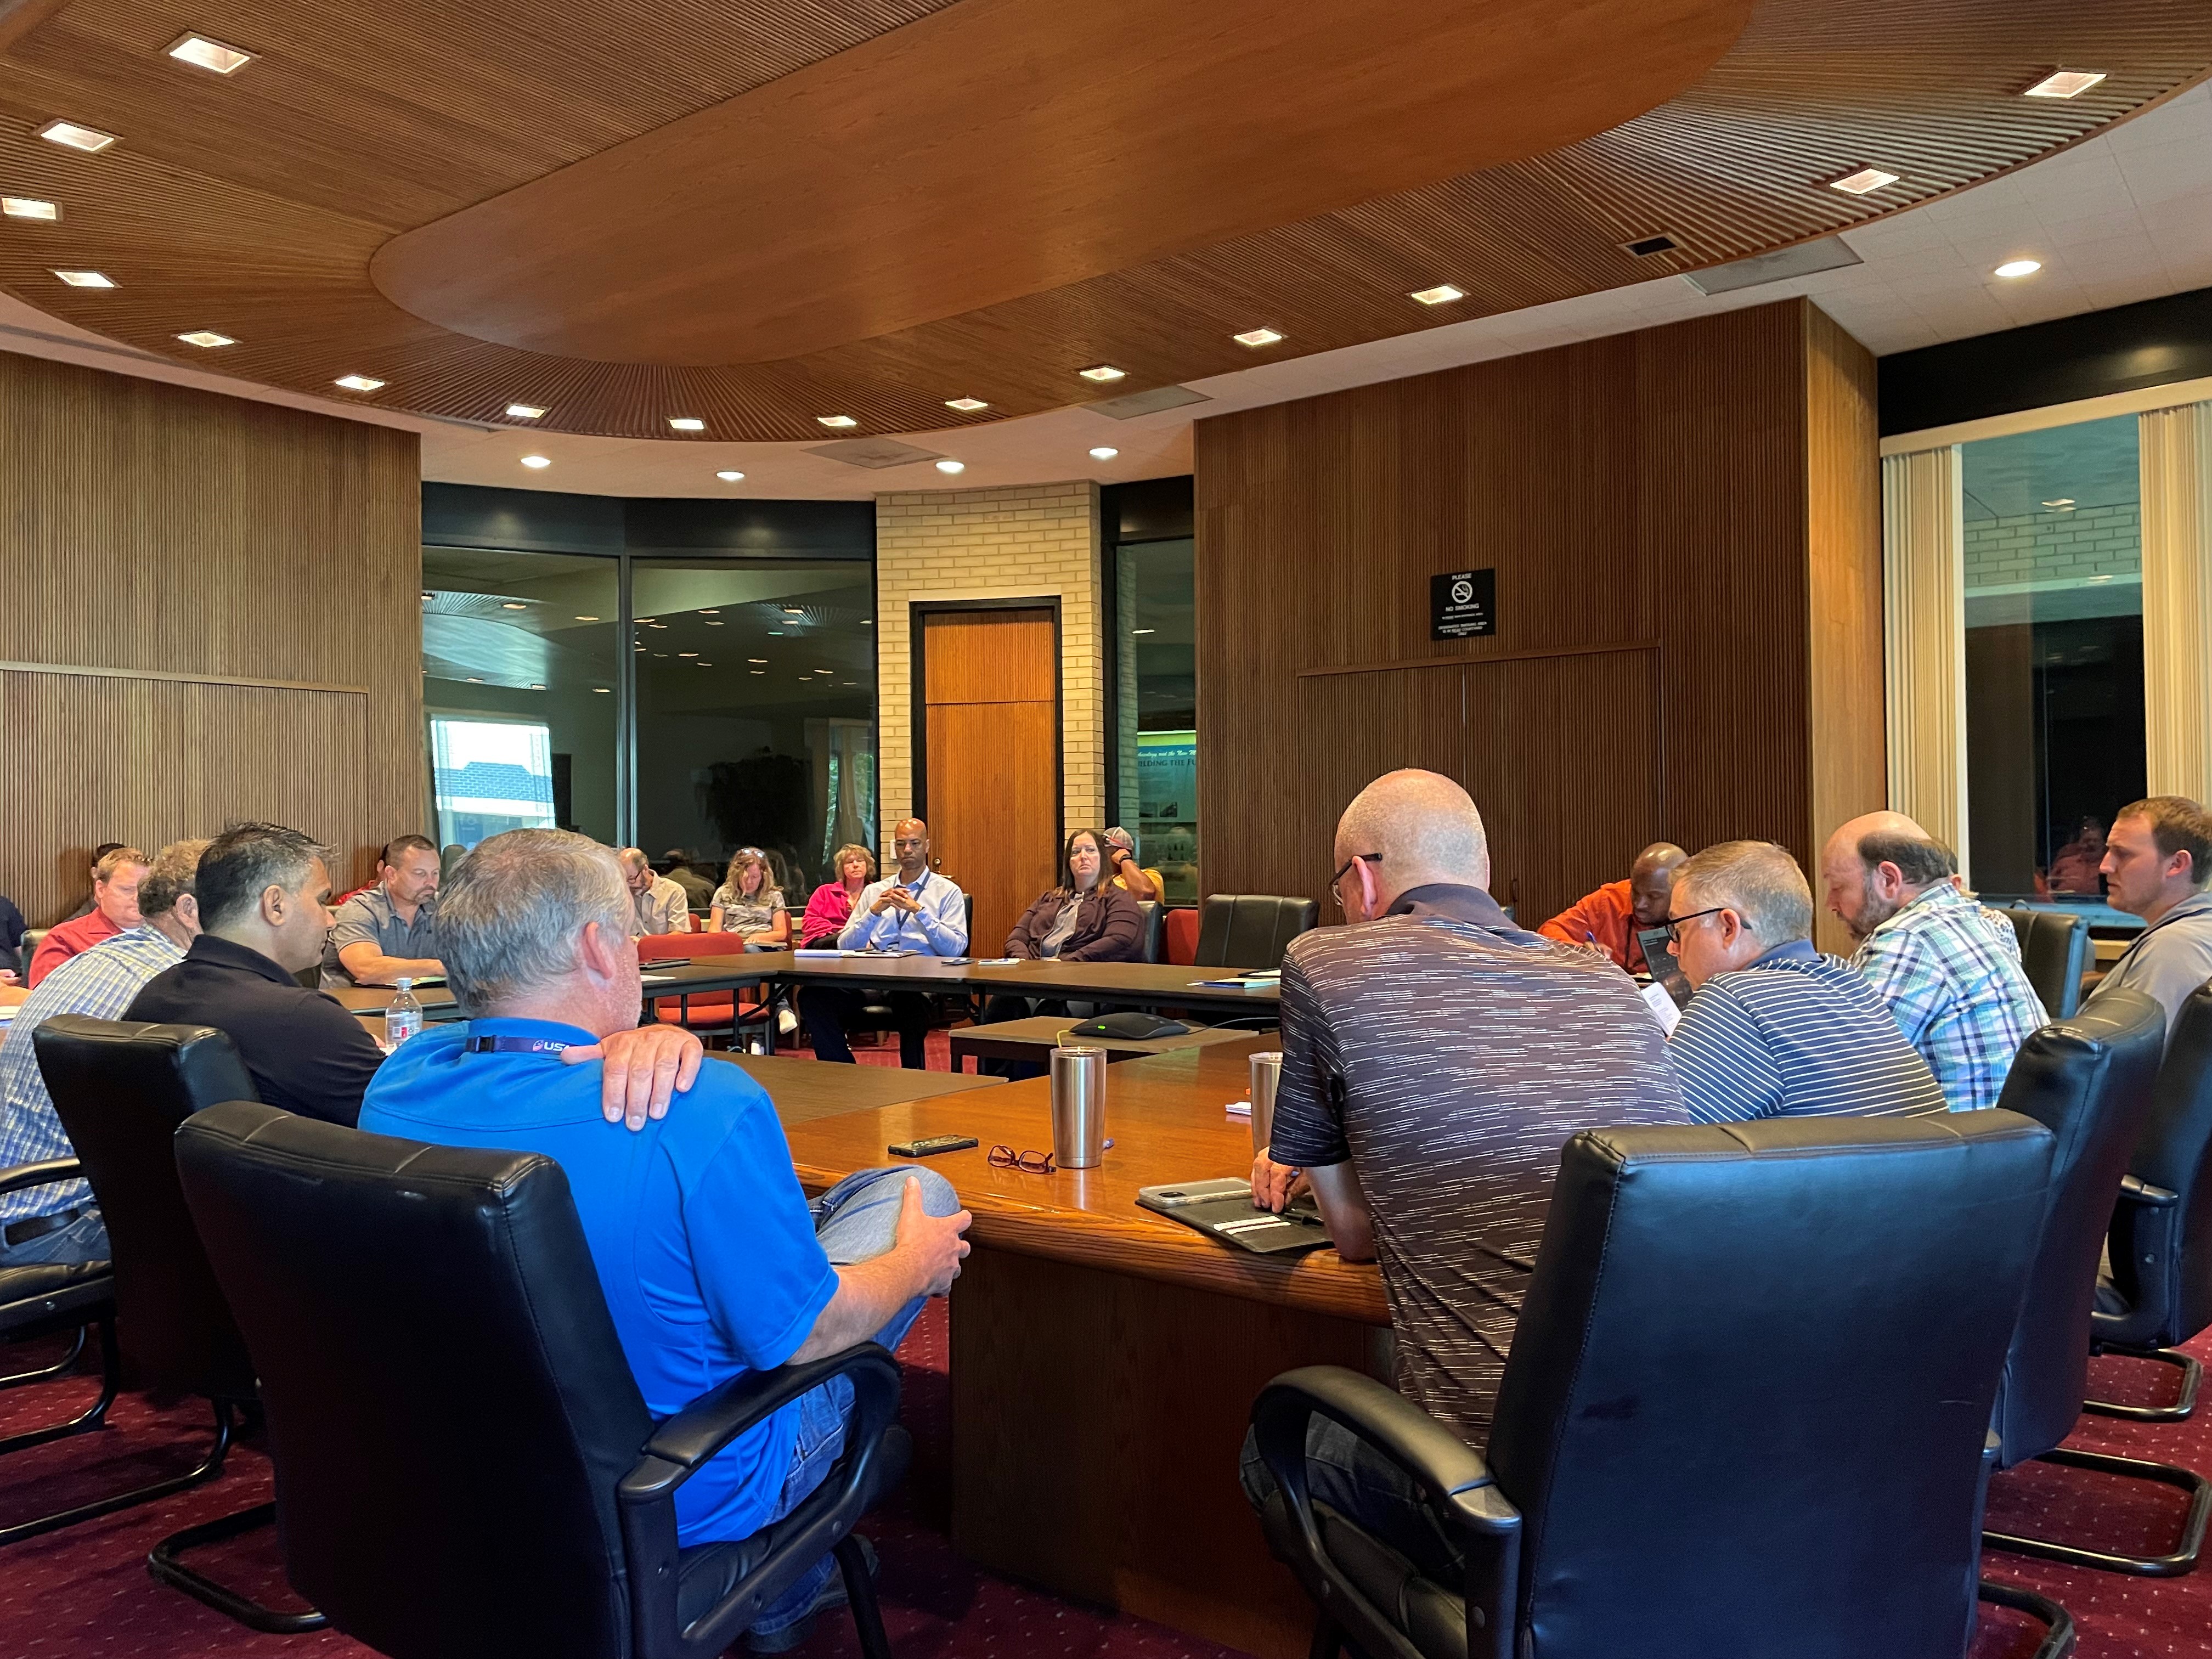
point(1029, 541)
point(2042, 547)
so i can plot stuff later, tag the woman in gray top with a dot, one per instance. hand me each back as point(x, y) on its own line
point(748, 901)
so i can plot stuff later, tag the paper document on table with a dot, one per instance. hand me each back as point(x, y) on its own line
point(1240, 984)
point(1663, 1007)
point(817, 955)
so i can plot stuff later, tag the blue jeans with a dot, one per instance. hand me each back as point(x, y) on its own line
point(84, 1239)
point(856, 1221)
point(1364, 1486)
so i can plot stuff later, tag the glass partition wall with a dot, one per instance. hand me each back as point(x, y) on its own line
point(1156, 702)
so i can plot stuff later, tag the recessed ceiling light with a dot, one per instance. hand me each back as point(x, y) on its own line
point(203, 53)
point(776, 633)
point(537, 688)
point(966, 405)
point(1104, 452)
point(1442, 294)
point(476, 679)
point(513, 605)
point(952, 466)
point(425, 599)
point(602, 691)
point(536, 463)
point(1257, 337)
point(206, 337)
point(587, 619)
point(686, 653)
point(1143, 630)
point(663, 655)
point(793, 611)
point(713, 625)
point(840, 421)
point(849, 681)
point(90, 140)
point(710, 610)
point(85, 279)
point(1102, 372)
point(643, 621)
point(2066, 83)
point(2063, 500)
point(2020, 267)
point(867, 621)
point(729, 477)
point(705, 665)
point(758, 660)
point(357, 383)
point(29, 207)
point(525, 412)
point(1864, 180)
point(661, 627)
point(687, 423)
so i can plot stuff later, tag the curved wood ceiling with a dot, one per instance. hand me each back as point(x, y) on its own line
point(254, 205)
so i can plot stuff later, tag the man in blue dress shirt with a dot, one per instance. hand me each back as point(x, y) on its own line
point(713, 1262)
point(916, 911)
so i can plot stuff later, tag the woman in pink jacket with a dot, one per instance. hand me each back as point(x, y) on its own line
point(831, 907)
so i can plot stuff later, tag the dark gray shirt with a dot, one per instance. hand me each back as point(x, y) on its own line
point(1449, 1055)
point(367, 917)
point(2169, 959)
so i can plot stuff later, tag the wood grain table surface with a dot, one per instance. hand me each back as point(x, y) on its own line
point(1032, 1039)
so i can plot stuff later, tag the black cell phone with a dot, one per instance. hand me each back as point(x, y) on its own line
point(932, 1146)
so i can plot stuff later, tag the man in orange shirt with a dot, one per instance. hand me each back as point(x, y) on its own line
point(1610, 917)
point(114, 907)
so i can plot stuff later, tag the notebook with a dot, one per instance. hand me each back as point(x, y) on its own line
point(1222, 1208)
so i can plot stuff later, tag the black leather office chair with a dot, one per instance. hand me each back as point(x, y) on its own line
point(2089, 1080)
point(120, 1090)
point(1250, 930)
point(2054, 952)
point(2158, 1293)
point(31, 938)
point(1155, 930)
point(464, 1460)
point(46, 1301)
point(1746, 1412)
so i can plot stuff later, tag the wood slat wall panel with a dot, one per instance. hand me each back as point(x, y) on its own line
point(156, 530)
point(1648, 502)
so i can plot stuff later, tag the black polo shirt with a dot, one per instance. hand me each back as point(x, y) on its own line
point(307, 1053)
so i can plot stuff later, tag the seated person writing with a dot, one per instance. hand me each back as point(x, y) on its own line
point(750, 902)
point(831, 906)
point(917, 911)
point(1610, 918)
point(712, 1261)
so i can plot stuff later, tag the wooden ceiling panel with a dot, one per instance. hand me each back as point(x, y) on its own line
point(255, 204)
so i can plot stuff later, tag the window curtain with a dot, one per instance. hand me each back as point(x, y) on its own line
point(2177, 599)
point(1925, 641)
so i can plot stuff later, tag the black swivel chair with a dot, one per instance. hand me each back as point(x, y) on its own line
point(47, 1300)
point(120, 1090)
point(2089, 1080)
point(1155, 930)
point(2158, 1293)
point(1250, 930)
point(464, 1460)
point(1746, 1411)
point(2054, 952)
point(33, 938)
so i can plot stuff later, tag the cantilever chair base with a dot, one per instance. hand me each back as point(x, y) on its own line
point(2192, 1378)
point(2058, 1638)
point(163, 1563)
point(207, 1467)
point(61, 1367)
point(2184, 1558)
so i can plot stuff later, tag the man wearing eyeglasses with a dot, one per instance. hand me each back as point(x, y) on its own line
point(916, 910)
point(1436, 1056)
point(1775, 1029)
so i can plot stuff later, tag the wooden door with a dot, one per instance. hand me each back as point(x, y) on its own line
point(991, 759)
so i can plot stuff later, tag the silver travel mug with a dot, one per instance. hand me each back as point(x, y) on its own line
point(1079, 1107)
point(1266, 1073)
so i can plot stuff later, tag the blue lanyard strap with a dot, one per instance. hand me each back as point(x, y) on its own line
point(515, 1045)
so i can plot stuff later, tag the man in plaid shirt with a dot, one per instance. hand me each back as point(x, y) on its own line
point(1947, 966)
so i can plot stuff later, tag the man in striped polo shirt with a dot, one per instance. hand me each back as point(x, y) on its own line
point(1775, 1029)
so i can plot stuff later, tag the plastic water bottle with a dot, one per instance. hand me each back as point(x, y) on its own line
point(403, 1018)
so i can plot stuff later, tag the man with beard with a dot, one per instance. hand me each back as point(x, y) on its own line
point(1947, 966)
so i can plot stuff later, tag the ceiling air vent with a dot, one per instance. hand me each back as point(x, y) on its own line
point(1147, 403)
point(1829, 253)
point(872, 451)
point(1644, 247)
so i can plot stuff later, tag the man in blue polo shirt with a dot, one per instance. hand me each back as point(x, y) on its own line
point(1775, 1029)
point(712, 1261)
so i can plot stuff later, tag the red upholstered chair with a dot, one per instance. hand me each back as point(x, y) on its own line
point(1182, 937)
point(704, 1012)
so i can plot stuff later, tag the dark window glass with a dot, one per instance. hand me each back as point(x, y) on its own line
point(1157, 700)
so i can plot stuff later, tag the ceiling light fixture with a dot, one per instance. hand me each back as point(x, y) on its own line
point(1442, 294)
point(729, 477)
point(839, 422)
point(536, 463)
point(476, 679)
point(867, 621)
point(1866, 180)
point(357, 383)
point(1143, 630)
point(2063, 500)
point(762, 661)
point(537, 688)
point(713, 625)
point(757, 671)
point(587, 619)
point(793, 611)
point(206, 337)
point(1257, 337)
point(90, 140)
point(1103, 371)
point(686, 653)
point(2020, 268)
point(85, 279)
point(203, 53)
point(776, 633)
point(602, 691)
point(709, 611)
point(966, 405)
point(425, 599)
point(1104, 452)
point(2066, 83)
point(687, 423)
point(513, 605)
point(29, 207)
point(951, 466)
point(525, 412)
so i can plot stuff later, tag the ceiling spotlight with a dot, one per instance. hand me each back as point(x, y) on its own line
point(525, 412)
point(29, 207)
point(2066, 83)
point(513, 605)
point(713, 625)
point(1442, 294)
point(966, 405)
point(357, 383)
point(1102, 372)
point(537, 688)
point(587, 619)
point(604, 691)
point(793, 611)
point(476, 679)
point(1864, 180)
point(206, 337)
point(686, 653)
point(776, 633)
point(1143, 630)
point(762, 660)
point(1257, 337)
point(705, 665)
point(867, 621)
point(730, 476)
point(687, 423)
point(2063, 500)
point(661, 627)
point(203, 53)
point(85, 279)
point(952, 466)
point(425, 599)
point(1104, 452)
point(709, 611)
point(757, 671)
point(90, 140)
point(839, 422)
point(536, 463)
point(2020, 267)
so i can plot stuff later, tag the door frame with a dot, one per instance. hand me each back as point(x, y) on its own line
point(917, 688)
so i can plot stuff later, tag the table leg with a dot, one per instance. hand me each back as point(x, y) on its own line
point(1097, 1419)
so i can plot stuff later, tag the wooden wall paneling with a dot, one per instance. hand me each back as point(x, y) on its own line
point(990, 656)
point(994, 813)
point(221, 551)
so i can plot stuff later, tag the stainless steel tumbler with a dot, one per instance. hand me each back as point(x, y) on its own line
point(1266, 1073)
point(1079, 1107)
